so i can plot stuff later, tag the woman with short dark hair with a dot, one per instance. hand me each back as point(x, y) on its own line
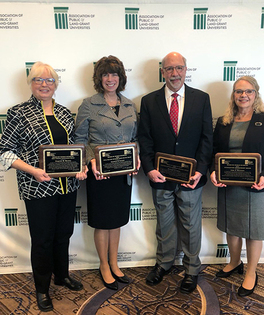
point(107, 118)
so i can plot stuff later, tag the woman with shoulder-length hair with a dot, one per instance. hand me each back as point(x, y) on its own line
point(107, 118)
point(240, 208)
point(50, 202)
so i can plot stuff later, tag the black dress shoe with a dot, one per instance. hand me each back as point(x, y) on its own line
point(223, 274)
point(188, 284)
point(111, 286)
point(156, 275)
point(44, 302)
point(123, 279)
point(70, 283)
point(245, 292)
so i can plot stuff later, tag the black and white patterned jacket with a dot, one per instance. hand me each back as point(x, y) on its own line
point(25, 130)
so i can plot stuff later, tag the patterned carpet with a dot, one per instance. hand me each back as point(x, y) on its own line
point(212, 297)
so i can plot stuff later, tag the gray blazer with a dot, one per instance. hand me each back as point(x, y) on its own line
point(97, 124)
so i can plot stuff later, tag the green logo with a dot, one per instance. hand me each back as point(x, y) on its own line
point(229, 70)
point(11, 217)
point(222, 250)
point(77, 215)
point(61, 17)
point(135, 211)
point(199, 18)
point(2, 123)
point(28, 67)
point(131, 18)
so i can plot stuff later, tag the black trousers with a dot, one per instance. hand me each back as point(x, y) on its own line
point(51, 222)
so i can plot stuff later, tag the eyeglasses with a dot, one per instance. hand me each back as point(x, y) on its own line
point(39, 81)
point(248, 92)
point(177, 68)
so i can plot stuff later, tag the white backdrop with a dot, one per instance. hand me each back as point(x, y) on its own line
point(220, 42)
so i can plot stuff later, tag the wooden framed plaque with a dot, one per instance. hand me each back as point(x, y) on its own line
point(174, 167)
point(241, 169)
point(116, 159)
point(62, 160)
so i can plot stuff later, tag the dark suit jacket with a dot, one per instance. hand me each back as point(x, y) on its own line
point(253, 141)
point(195, 137)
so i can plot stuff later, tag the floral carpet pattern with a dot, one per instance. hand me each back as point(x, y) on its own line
point(213, 295)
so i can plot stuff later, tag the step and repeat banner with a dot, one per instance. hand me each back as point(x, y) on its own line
point(220, 43)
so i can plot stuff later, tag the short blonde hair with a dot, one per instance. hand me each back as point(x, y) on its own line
point(38, 68)
point(232, 108)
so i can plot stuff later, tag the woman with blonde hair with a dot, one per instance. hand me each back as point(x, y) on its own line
point(50, 202)
point(240, 208)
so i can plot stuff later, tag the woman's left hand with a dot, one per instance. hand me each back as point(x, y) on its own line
point(260, 184)
point(82, 175)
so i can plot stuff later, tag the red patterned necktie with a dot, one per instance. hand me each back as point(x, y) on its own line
point(174, 112)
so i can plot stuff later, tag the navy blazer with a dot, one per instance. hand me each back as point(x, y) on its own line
point(195, 137)
point(253, 141)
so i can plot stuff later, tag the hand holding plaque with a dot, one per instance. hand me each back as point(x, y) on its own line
point(237, 169)
point(116, 159)
point(175, 168)
point(62, 160)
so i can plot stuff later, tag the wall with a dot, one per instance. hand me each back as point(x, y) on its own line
point(228, 43)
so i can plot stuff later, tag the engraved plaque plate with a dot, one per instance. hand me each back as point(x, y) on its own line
point(62, 160)
point(241, 169)
point(175, 168)
point(116, 159)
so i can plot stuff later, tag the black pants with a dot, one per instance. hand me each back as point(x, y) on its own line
point(51, 222)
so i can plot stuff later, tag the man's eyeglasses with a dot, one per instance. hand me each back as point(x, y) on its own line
point(39, 81)
point(248, 92)
point(177, 68)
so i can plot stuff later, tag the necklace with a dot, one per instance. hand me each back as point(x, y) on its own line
point(116, 108)
point(114, 105)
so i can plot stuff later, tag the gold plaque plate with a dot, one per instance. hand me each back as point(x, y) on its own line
point(62, 160)
point(116, 159)
point(241, 169)
point(174, 167)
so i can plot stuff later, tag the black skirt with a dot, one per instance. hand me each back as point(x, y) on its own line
point(108, 201)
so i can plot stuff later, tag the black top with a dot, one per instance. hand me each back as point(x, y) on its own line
point(59, 137)
point(58, 132)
